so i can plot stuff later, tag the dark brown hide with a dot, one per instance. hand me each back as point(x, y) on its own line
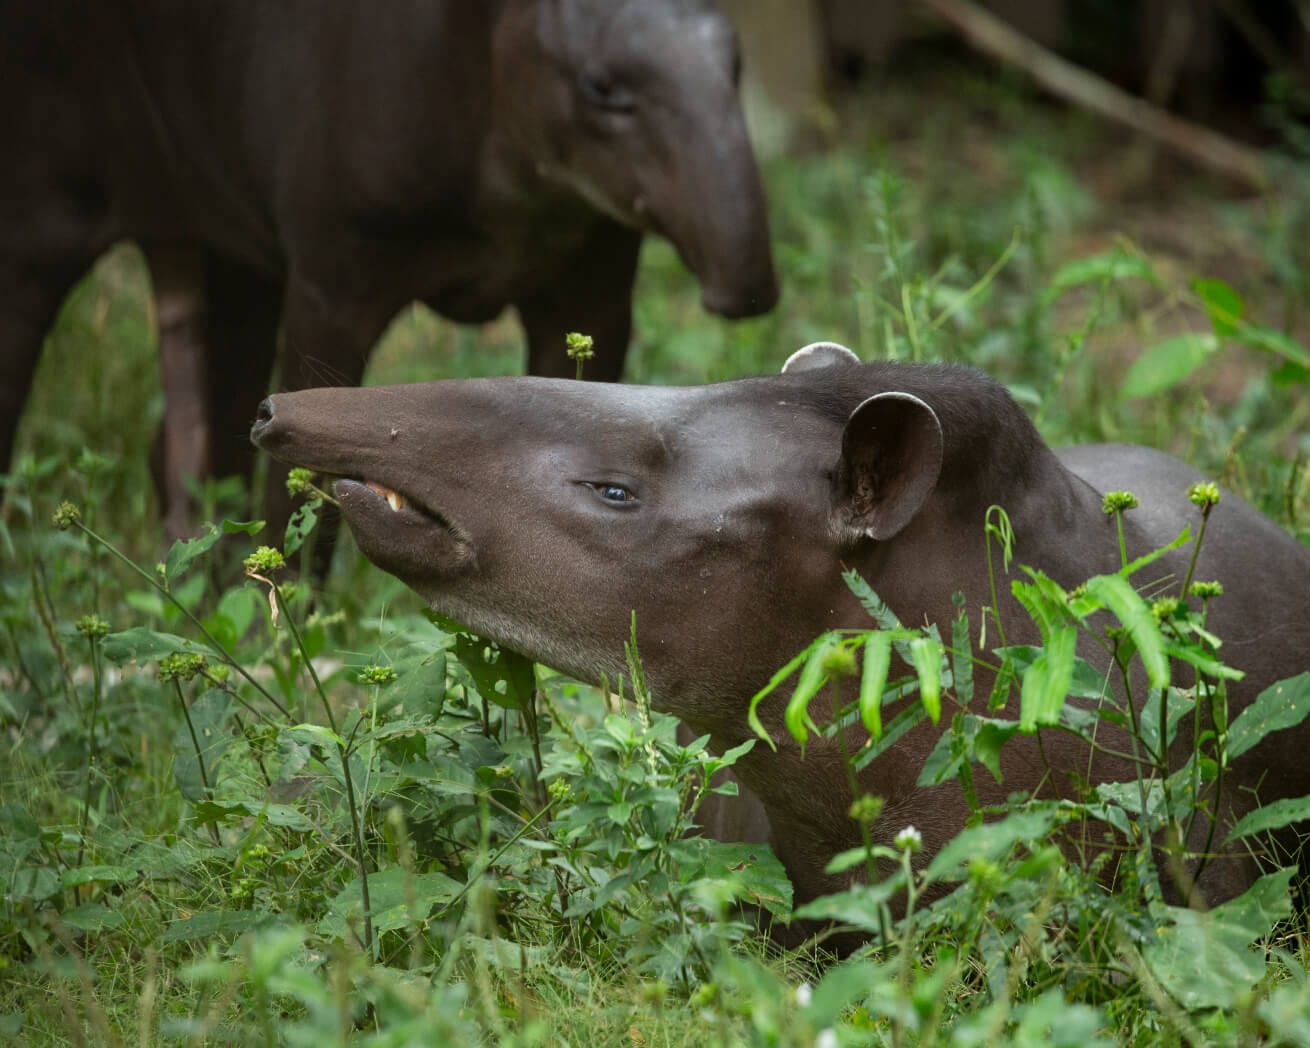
point(324, 163)
point(544, 513)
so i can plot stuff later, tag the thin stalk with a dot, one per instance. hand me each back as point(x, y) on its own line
point(190, 616)
point(1196, 549)
point(200, 757)
point(91, 747)
point(45, 612)
point(361, 856)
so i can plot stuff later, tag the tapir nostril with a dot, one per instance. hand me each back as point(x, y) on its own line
point(263, 420)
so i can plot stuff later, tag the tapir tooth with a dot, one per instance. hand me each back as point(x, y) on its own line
point(395, 501)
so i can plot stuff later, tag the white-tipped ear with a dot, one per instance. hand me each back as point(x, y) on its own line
point(819, 355)
point(892, 448)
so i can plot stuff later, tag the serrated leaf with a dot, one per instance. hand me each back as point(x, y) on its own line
point(1167, 363)
point(491, 666)
point(758, 876)
point(1281, 705)
point(209, 713)
point(399, 898)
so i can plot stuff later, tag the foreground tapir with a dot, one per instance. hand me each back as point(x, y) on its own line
point(323, 163)
point(543, 513)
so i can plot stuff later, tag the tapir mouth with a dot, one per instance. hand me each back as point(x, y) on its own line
point(400, 533)
point(363, 494)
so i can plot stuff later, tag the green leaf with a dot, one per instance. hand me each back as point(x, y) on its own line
point(752, 714)
point(80, 875)
point(812, 678)
point(863, 906)
point(1222, 304)
point(1205, 960)
point(91, 917)
point(303, 521)
point(214, 924)
point(183, 552)
point(1274, 342)
point(758, 876)
point(491, 667)
point(400, 898)
point(209, 713)
point(873, 680)
point(1107, 266)
point(143, 645)
point(421, 688)
point(1272, 816)
point(1046, 684)
point(1117, 594)
point(1281, 705)
point(242, 527)
point(1167, 363)
point(991, 840)
point(926, 654)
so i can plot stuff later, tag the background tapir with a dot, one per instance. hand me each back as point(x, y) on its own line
point(323, 163)
point(543, 513)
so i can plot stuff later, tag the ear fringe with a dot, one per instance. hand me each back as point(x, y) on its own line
point(819, 355)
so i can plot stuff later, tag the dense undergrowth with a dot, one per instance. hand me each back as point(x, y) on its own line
point(230, 815)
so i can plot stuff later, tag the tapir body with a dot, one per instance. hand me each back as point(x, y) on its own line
point(323, 163)
point(543, 514)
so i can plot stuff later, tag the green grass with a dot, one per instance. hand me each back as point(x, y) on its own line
point(146, 905)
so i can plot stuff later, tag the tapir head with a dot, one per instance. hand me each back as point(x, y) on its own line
point(633, 105)
point(544, 514)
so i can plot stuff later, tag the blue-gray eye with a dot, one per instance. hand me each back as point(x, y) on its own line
point(614, 493)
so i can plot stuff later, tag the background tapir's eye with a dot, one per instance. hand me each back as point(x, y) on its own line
point(601, 90)
point(615, 493)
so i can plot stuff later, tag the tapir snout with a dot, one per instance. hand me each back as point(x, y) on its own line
point(545, 513)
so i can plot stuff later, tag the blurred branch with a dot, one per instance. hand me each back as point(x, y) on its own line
point(989, 34)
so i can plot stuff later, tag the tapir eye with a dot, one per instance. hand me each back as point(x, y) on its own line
point(603, 91)
point(615, 493)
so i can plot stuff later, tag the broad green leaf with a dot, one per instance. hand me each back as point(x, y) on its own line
point(92, 917)
point(1117, 594)
point(991, 840)
point(501, 676)
point(214, 924)
point(1222, 304)
point(1046, 684)
point(863, 906)
point(304, 518)
point(1205, 960)
point(80, 875)
point(209, 713)
point(962, 656)
point(1274, 342)
point(1167, 363)
point(142, 645)
point(873, 680)
point(758, 876)
point(1272, 816)
point(421, 689)
point(1087, 682)
point(1281, 705)
point(399, 898)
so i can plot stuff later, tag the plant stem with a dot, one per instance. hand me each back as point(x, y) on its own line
point(91, 748)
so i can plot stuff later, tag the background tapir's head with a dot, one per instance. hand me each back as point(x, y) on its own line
point(633, 104)
point(543, 513)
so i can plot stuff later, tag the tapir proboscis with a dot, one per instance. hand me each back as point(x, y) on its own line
point(321, 164)
point(544, 513)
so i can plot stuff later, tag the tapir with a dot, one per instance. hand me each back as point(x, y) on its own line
point(321, 164)
point(543, 514)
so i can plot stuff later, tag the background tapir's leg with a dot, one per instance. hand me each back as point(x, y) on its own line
point(326, 340)
point(592, 295)
point(244, 311)
point(29, 300)
point(181, 453)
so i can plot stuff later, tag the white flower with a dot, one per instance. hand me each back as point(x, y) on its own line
point(804, 993)
point(909, 839)
point(827, 1038)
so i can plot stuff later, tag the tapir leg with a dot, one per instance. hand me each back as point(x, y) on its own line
point(591, 295)
point(326, 341)
point(182, 450)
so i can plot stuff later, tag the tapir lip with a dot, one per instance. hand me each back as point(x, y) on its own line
point(412, 541)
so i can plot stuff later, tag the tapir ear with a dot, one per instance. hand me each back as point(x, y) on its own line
point(892, 450)
point(819, 355)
